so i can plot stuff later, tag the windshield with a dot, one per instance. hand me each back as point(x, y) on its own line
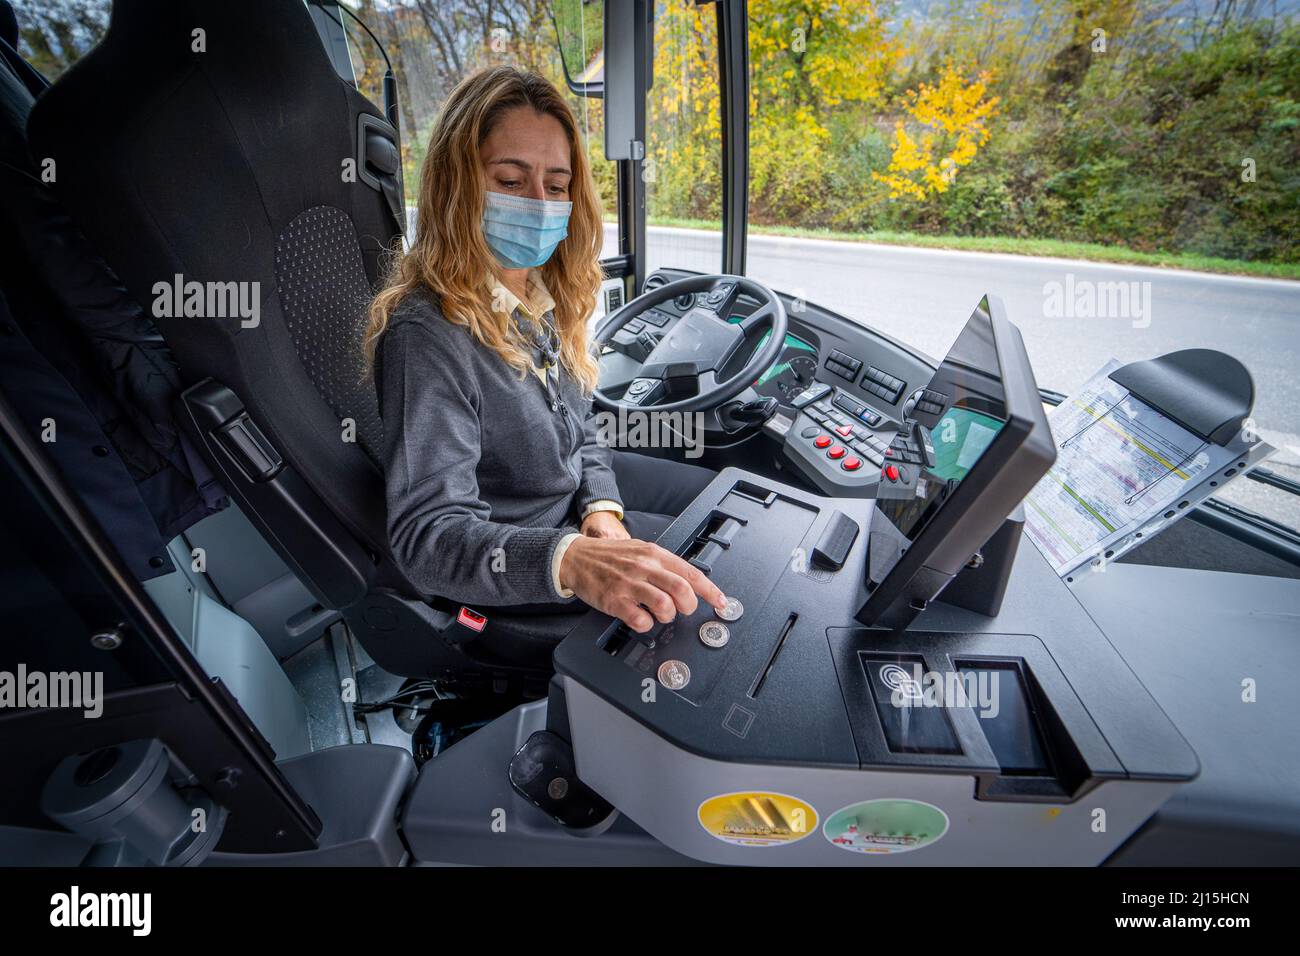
point(1121, 174)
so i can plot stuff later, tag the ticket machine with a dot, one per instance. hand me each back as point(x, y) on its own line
point(836, 714)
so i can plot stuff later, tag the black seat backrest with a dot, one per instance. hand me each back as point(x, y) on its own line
point(212, 141)
point(84, 366)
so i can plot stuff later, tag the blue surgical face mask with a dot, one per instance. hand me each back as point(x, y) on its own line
point(523, 232)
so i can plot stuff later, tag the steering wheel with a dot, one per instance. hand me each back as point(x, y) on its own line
point(697, 346)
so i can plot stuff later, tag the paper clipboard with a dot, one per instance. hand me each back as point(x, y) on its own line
point(1139, 446)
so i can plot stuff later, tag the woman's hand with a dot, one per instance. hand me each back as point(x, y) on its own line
point(633, 580)
point(604, 524)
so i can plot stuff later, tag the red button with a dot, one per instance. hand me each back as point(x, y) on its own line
point(836, 452)
point(471, 619)
point(844, 430)
point(851, 464)
point(821, 441)
point(891, 472)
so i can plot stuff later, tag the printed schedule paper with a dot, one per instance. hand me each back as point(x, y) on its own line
point(1121, 466)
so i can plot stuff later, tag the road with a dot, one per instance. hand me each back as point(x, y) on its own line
point(923, 296)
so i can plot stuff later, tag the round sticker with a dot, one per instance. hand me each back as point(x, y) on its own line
point(885, 826)
point(757, 819)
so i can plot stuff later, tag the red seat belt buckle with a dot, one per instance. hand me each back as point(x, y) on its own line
point(471, 619)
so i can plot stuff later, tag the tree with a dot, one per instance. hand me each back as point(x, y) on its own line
point(810, 60)
point(813, 63)
point(950, 121)
point(54, 34)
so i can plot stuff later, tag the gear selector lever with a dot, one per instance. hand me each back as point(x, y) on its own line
point(753, 413)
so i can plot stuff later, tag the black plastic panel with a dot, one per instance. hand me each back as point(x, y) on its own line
point(307, 535)
point(766, 690)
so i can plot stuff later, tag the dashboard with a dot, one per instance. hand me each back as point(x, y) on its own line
point(823, 347)
point(871, 373)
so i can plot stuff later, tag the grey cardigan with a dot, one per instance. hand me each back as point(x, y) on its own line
point(482, 478)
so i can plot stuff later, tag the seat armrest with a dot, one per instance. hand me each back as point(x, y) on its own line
point(331, 563)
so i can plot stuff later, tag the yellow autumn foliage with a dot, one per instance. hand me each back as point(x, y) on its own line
point(808, 59)
point(949, 121)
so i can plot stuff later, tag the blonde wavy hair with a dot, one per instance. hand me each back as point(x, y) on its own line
point(450, 255)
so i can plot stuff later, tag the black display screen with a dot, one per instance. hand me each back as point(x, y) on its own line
point(963, 409)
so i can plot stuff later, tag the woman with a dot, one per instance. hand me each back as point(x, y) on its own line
point(498, 492)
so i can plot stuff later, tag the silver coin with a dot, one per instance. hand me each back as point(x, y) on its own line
point(715, 633)
point(674, 674)
point(732, 611)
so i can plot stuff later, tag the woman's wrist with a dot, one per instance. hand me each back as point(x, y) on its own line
point(603, 524)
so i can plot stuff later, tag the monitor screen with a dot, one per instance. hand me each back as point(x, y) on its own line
point(962, 409)
point(989, 443)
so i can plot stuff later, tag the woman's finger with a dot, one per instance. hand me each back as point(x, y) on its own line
point(696, 578)
point(634, 616)
point(654, 600)
point(676, 587)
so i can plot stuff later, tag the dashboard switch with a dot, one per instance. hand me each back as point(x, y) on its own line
point(813, 393)
point(891, 472)
point(836, 452)
point(822, 441)
point(851, 464)
point(844, 431)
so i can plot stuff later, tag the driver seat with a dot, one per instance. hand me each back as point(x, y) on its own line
point(208, 143)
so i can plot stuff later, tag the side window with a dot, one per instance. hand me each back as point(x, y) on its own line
point(54, 34)
point(434, 44)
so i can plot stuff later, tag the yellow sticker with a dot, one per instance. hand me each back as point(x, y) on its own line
point(757, 819)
